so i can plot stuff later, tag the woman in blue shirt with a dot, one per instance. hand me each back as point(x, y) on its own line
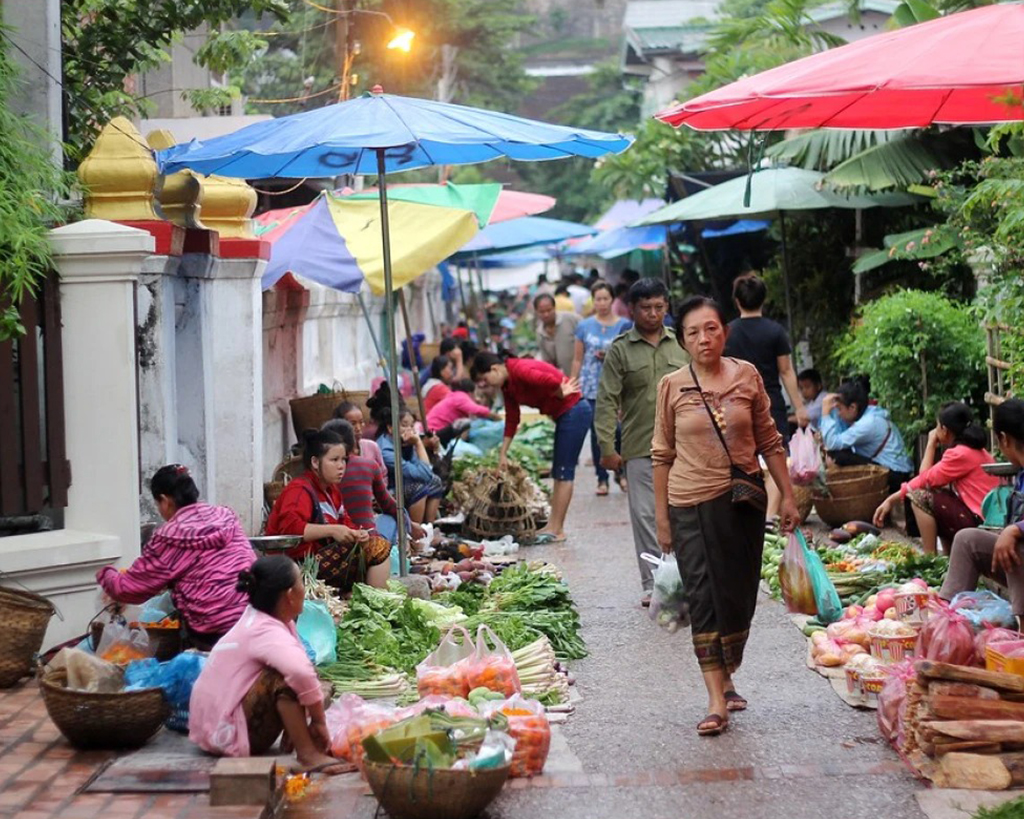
point(594, 336)
point(857, 433)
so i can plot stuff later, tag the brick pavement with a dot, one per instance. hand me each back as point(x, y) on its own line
point(41, 775)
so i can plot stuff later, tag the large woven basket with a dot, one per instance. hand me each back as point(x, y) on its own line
point(837, 511)
point(495, 507)
point(846, 481)
point(289, 468)
point(313, 411)
point(24, 617)
point(126, 719)
point(407, 793)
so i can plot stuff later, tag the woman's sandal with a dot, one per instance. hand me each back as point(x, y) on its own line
point(735, 702)
point(335, 768)
point(602, 489)
point(712, 725)
point(545, 539)
point(624, 484)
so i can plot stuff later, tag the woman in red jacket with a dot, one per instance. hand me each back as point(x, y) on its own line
point(311, 506)
point(541, 385)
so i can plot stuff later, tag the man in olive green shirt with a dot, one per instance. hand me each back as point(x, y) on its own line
point(634, 364)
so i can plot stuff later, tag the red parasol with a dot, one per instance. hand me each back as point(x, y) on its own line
point(966, 68)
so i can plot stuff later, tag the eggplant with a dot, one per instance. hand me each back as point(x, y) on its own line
point(860, 527)
point(840, 536)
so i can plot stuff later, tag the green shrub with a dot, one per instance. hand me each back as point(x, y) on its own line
point(920, 351)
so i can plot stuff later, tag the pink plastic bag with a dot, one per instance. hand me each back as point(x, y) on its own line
point(351, 719)
point(892, 698)
point(492, 668)
point(805, 458)
point(947, 637)
point(443, 671)
point(989, 635)
point(795, 579)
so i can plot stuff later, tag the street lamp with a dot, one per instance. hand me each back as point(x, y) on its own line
point(402, 40)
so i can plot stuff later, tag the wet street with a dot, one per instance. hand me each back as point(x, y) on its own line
point(631, 751)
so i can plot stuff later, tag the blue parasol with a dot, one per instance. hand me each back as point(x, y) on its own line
point(380, 133)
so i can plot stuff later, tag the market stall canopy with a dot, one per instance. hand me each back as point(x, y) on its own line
point(772, 190)
point(412, 133)
point(525, 232)
point(504, 204)
point(737, 228)
point(616, 242)
point(626, 211)
point(336, 241)
point(965, 68)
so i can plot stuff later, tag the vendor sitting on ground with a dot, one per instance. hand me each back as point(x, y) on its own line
point(311, 507)
point(946, 496)
point(442, 373)
point(366, 447)
point(364, 483)
point(813, 392)
point(997, 555)
point(422, 488)
point(856, 433)
point(259, 681)
point(197, 554)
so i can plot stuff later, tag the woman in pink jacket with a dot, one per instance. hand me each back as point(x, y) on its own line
point(946, 496)
point(197, 554)
point(258, 681)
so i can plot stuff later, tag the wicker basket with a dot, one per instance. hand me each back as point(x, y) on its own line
point(407, 793)
point(837, 511)
point(804, 501)
point(25, 616)
point(289, 468)
point(429, 350)
point(495, 508)
point(126, 719)
point(845, 481)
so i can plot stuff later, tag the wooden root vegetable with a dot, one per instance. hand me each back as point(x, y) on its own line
point(980, 730)
point(967, 708)
point(972, 772)
point(965, 674)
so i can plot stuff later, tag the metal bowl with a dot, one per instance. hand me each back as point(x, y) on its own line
point(1002, 470)
point(268, 544)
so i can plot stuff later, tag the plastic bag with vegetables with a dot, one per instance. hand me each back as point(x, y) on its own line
point(989, 635)
point(984, 608)
point(121, 644)
point(893, 695)
point(491, 665)
point(797, 589)
point(444, 670)
point(805, 458)
point(946, 637)
point(351, 719)
point(528, 725)
point(669, 606)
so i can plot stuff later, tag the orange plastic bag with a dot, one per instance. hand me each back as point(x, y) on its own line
point(492, 668)
point(528, 725)
point(351, 719)
point(443, 671)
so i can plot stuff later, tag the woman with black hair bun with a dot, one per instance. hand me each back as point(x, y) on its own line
point(197, 554)
point(311, 506)
point(259, 682)
point(947, 494)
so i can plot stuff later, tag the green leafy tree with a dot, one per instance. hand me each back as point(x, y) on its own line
point(107, 42)
point(921, 350)
point(32, 186)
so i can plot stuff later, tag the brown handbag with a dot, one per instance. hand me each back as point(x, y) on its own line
point(747, 487)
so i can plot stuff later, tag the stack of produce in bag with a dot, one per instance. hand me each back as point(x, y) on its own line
point(444, 670)
point(491, 666)
point(528, 725)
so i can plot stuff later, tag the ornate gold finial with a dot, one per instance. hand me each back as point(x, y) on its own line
point(180, 195)
point(228, 205)
point(119, 175)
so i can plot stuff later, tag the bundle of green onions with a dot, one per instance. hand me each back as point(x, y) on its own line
point(536, 667)
point(354, 672)
point(316, 589)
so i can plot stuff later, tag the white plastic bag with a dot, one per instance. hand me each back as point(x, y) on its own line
point(805, 458)
point(444, 670)
point(669, 606)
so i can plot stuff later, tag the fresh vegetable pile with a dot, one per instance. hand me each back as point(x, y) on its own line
point(385, 634)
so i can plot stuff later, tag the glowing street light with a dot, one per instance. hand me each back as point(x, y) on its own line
point(402, 40)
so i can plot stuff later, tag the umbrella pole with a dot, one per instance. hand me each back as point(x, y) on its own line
point(373, 335)
point(412, 355)
point(389, 306)
point(785, 275)
point(462, 293)
point(483, 303)
point(430, 310)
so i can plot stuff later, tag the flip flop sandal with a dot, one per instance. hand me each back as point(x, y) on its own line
point(342, 766)
point(734, 702)
point(712, 725)
point(546, 539)
point(602, 489)
point(645, 601)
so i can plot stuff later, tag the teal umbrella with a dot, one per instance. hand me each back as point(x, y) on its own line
point(767, 194)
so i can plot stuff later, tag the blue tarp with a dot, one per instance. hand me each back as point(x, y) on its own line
point(736, 228)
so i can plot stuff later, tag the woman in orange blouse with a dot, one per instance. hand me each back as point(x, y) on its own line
point(716, 534)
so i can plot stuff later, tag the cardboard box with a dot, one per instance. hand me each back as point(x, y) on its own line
point(996, 659)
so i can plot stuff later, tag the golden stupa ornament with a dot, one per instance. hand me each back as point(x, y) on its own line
point(180, 195)
point(119, 175)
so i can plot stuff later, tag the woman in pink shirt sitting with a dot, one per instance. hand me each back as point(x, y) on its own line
point(946, 496)
point(259, 682)
point(458, 404)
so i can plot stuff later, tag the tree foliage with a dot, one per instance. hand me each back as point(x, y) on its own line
point(921, 350)
point(31, 185)
point(108, 42)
